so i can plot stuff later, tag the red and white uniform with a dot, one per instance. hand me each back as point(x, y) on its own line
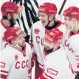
point(38, 33)
point(14, 64)
point(57, 66)
point(7, 7)
point(2, 30)
point(61, 27)
point(72, 49)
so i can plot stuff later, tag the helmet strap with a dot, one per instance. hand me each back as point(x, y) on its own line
point(50, 21)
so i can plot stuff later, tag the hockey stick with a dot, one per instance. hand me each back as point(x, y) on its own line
point(62, 6)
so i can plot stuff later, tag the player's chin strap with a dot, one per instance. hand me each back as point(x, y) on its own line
point(50, 21)
point(48, 24)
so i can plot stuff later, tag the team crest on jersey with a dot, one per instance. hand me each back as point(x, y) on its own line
point(36, 31)
point(16, 57)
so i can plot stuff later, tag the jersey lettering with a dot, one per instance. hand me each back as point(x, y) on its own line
point(68, 46)
point(17, 65)
point(22, 64)
point(52, 71)
point(39, 40)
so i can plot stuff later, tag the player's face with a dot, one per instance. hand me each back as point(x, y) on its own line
point(48, 45)
point(74, 24)
point(70, 23)
point(67, 22)
point(44, 18)
point(12, 19)
point(15, 15)
point(20, 40)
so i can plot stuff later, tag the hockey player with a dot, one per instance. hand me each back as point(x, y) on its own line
point(56, 65)
point(47, 45)
point(9, 12)
point(46, 13)
point(15, 60)
point(71, 18)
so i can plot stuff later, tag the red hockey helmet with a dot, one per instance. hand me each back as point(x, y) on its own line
point(9, 7)
point(48, 8)
point(54, 36)
point(72, 12)
point(11, 33)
